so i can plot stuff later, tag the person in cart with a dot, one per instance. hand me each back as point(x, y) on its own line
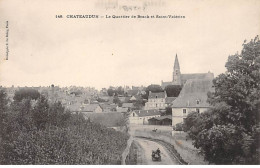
point(158, 152)
point(156, 155)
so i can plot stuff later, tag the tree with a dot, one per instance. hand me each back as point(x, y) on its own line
point(168, 111)
point(173, 90)
point(26, 93)
point(58, 116)
point(229, 132)
point(111, 92)
point(117, 101)
point(120, 90)
point(41, 113)
point(138, 104)
point(3, 107)
point(3, 116)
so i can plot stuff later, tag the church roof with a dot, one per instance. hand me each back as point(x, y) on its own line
point(194, 90)
point(176, 63)
point(186, 77)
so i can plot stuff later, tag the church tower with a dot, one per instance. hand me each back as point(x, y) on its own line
point(176, 78)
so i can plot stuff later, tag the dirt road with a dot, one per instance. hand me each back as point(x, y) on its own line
point(145, 152)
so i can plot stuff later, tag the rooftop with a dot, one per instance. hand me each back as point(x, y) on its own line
point(157, 95)
point(194, 94)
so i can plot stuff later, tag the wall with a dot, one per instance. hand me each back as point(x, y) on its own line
point(151, 104)
point(177, 113)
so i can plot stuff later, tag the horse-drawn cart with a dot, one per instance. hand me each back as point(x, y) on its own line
point(156, 156)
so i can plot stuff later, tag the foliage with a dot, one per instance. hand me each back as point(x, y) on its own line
point(101, 100)
point(46, 133)
point(115, 92)
point(117, 101)
point(229, 132)
point(108, 119)
point(139, 104)
point(173, 90)
point(26, 93)
point(179, 127)
point(168, 111)
point(76, 92)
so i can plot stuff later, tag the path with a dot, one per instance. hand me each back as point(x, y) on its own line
point(145, 152)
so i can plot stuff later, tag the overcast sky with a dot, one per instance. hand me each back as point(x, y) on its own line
point(45, 50)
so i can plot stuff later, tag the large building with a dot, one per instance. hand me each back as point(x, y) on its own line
point(180, 79)
point(156, 101)
point(141, 117)
point(192, 98)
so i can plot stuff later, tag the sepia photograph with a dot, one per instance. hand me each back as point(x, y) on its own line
point(129, 82)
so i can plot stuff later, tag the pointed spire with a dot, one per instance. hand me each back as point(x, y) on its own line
point(176, 63)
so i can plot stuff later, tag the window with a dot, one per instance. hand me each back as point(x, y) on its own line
point(198, 110)
point(184, 111)
point(156, 97)
point(133, 114)
point(198, 102)
point(155, 105)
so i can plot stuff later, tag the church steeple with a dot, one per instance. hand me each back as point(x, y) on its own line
point(176, 63)
point(176, 78)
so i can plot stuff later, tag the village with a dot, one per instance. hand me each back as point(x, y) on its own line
point(144, 106)
point(157, 112)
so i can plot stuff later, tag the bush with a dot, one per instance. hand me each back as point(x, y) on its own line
point(179, 127)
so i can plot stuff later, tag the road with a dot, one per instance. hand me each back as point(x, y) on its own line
point(145, 151)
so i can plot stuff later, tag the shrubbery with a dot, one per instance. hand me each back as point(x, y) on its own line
point(46, 133)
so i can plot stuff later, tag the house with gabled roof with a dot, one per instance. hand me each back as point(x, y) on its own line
point(156, 101)
point(140, 117)
point(192, 98)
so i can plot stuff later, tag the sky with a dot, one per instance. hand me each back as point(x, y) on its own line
point(45, 50)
